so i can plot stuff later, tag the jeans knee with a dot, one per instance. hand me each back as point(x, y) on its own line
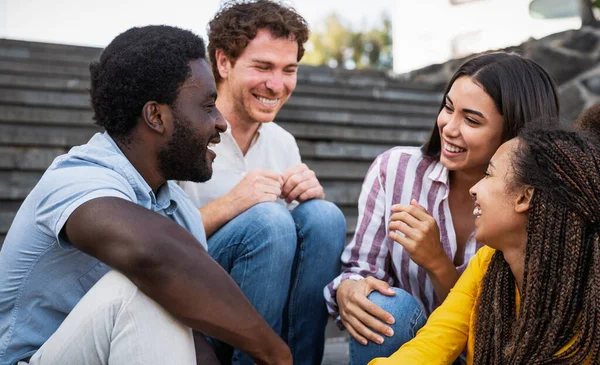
point(402, 306)
point(273, 227)
point(320, 213)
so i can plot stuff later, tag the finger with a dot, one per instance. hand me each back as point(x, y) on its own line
point(364, 331)
point(357, 337)
point(404, 229)
point(268, 197)
point(407, 243)
point(407, 218)
point(381, 286)
point(270, 174)
point(375, 312)
point(293, 181)
point(301, 188)
point(416, 211)
point(294, 170)
point(373, 320)
point(312, 193)
point(270, 189)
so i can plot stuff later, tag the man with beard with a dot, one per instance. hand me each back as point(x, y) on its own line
point(264, 211)
point(109, 204)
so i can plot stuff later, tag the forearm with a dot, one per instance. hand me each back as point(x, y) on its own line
point(443, 277)
point(195, 289)
point(219, 212)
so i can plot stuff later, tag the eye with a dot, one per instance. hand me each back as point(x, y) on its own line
point(486, 173)
point(262, 68)
point(448, 108)
point(472, 121)
point(290, 70)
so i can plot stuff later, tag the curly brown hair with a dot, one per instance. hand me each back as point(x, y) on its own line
point(237, 23)
point(561, 282)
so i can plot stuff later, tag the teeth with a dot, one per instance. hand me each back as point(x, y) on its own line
point(477, 212)
point(211, 145)
point(454, 149)
point(267, 101)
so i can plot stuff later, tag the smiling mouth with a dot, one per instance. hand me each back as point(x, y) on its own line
point(477, 211)
point(453, 148)
point(267, 101)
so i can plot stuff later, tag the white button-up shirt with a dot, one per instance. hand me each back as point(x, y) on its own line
point(272, 148)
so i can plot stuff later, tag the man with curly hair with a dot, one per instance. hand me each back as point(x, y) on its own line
point(263, 210)
point(106, 261)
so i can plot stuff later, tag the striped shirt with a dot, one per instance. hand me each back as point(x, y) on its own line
point(396, 177)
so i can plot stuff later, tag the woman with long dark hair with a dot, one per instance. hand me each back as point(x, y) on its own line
point(415, 230)
point(532, 296)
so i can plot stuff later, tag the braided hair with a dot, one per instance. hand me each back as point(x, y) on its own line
point(560, 296)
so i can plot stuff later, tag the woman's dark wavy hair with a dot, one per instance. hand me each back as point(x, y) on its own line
point(140, 65)
point(560, 298)
point(522, 91)
point(237, 23)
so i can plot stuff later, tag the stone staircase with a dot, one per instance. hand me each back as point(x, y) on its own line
point(341, 119)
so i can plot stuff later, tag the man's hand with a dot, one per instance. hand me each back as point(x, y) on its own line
point(363, 319)
point(258, 186)
point(300, 183)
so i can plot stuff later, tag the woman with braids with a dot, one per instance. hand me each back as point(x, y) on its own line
point(415, 227)
point(532, 296)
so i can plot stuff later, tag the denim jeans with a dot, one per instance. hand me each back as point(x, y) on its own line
point(282, 261)
point(409, 318)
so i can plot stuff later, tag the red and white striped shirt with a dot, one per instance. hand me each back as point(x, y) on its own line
point(396, 177)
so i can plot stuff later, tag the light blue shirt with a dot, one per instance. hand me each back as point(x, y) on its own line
point(42, 276)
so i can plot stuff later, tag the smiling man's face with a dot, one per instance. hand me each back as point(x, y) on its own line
point(196, 124)
point(262, 78)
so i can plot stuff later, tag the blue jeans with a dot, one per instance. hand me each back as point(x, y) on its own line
point(282, 261)
point(409, 319)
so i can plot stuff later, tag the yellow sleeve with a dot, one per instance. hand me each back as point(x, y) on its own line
point(445, 334)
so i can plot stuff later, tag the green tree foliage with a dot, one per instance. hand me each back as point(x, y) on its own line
point(340, 46)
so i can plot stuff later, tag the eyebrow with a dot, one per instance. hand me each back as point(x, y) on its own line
point(468, 111)
point(295, 64)
point(491, 164)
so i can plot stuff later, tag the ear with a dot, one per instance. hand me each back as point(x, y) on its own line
point(154, 115)
point(223, 63)
point(523, 200)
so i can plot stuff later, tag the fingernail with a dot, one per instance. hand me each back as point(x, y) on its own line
point(390, 332)
point(379, 340)
point(364, 342)
point(391, 320)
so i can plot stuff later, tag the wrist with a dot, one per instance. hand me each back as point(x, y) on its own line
point(440, 267)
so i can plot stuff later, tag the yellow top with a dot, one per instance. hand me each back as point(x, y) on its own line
point(450, 328)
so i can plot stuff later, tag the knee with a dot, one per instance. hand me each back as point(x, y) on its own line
point(270, 218)
point(402, 306)
point(272, 227)
point(323, 218)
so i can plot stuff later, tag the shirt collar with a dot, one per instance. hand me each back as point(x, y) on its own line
point(440, 174)
point(143, 191)
point(254, 139)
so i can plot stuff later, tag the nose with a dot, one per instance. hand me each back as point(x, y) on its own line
point(473, 190)
point(220, 123)
point(275, 83)
point(452, 128)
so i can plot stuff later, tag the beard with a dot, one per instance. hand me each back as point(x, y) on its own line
point(184, 156)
